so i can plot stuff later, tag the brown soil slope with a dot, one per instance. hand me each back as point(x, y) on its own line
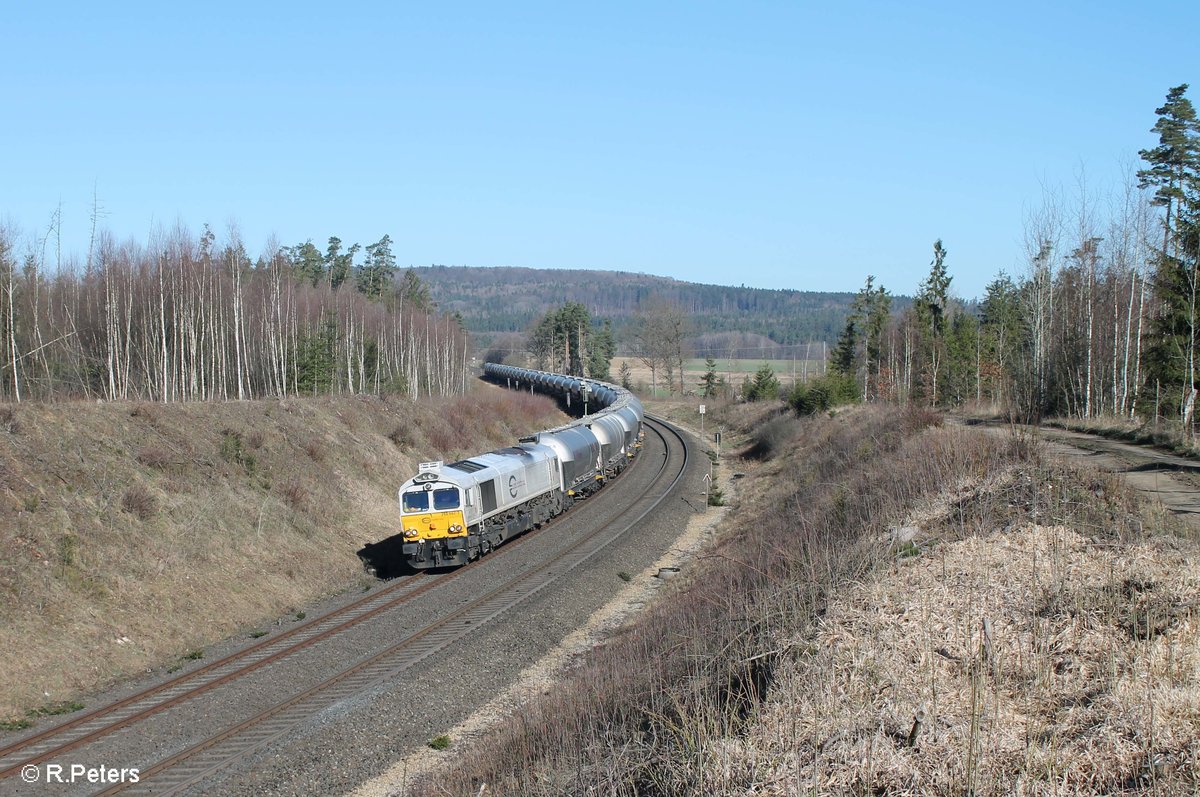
point(132, 533)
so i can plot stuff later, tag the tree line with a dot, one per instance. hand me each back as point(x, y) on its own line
point(189, 318)
point(1103, 321)
point(506, 299)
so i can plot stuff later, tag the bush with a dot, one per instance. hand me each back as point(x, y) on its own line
point(771, 437)
point(824, 393)
point(154, 457)
point(295, 494)
point(315, 450)
point(140, 502)
point(403, 437)
point(765, 386)
point(234, 451)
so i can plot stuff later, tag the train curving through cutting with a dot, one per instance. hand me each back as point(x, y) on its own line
point(454, 513)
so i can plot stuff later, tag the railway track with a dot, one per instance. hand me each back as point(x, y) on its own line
point(193, 764)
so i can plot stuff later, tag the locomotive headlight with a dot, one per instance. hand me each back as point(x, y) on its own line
point(409, 533)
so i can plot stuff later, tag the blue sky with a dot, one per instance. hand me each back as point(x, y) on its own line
point(777, 145)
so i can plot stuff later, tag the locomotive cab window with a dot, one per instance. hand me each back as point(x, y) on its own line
point(416, 501)
point(445, 499)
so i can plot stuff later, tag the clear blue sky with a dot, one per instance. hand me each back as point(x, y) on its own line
point(780, 145)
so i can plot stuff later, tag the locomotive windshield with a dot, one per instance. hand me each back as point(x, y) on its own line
point(445, 499)
point(416, 501)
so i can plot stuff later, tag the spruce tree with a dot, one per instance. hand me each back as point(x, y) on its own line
point(709, 384)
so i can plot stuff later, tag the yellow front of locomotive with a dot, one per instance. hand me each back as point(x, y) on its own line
point(433, 526)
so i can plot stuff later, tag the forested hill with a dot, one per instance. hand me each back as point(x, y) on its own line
point(504, 299)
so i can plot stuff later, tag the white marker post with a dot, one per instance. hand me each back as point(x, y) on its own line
point(702, 420)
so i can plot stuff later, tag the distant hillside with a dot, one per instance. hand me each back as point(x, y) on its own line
point(499, 300)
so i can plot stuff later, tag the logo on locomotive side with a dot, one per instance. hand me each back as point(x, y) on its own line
point(512, 486)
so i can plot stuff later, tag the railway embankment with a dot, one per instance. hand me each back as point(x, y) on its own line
point(133, 535)
point(891, 605)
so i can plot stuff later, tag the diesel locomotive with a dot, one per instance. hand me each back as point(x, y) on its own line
point(454, 513)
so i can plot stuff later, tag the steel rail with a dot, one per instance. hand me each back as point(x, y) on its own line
point(188, 767)
point(102, 721)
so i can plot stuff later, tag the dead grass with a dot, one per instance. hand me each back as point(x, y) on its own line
point(1038, 661)
point(154, 456)
point(132, 533)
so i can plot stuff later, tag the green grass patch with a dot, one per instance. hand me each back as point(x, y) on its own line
point(440, 742)
point(54, 709)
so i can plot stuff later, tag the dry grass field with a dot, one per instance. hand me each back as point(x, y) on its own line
point(134, 534)
point(1028, 659)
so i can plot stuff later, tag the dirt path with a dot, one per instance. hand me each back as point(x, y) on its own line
point(1171, 480)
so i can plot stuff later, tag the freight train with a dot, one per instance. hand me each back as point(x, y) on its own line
point(454, 513)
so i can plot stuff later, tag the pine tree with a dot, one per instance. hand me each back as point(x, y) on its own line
point(375, 275)
point(1003, 331)
point(931, 306)
point(601, 349)
point(339, 264)
point(306, 262)
point(710, 383)
point(845, 353)
point(1174, 173)
point(765, 386)
point(626, 374)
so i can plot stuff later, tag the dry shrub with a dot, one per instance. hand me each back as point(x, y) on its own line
point(147, 412)
point(255, 439)
point(403, 436)
point(8, 420)
point(445, 436)
point(155, 457)
point(771, 438)
point(315, 450)
point(520, 410)
point(139, 501)
point(295, 493)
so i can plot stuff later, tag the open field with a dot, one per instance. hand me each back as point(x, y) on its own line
point(733, 371)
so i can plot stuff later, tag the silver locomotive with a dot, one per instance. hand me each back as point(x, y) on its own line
point(454, 513)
